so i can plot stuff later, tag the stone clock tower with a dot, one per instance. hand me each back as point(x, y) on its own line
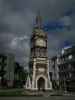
point(38, 78)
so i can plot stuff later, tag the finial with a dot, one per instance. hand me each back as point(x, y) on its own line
point(38, 20)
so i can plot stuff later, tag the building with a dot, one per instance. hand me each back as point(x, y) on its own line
point(2, 70)
point(10, 69)
point(38, 78)
point(54, 72)
point(66, 65)
point(7, 69)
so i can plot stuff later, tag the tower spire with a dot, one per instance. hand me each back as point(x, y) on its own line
point(38, 20)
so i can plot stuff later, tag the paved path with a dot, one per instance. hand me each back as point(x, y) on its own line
point(40, 98)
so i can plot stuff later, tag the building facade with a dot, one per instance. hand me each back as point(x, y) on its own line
point(7, 70)
point(2, 70)
point(10, 69)
point(66, 65)
point(54, 72)
point(38, 78)
point(63, 69)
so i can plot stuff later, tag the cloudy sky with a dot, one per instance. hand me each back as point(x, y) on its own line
point(17, 18)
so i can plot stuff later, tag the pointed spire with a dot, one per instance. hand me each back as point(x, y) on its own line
point(38, 20)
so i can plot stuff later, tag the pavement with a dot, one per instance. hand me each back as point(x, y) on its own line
point(40, 98)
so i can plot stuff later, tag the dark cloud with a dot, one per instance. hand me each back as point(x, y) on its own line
point(16, 22)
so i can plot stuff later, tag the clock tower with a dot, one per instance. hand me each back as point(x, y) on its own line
point(38, 78)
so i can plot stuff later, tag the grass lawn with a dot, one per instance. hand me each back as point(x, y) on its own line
point(23, 92)
point(17, 92)
point(11, 93)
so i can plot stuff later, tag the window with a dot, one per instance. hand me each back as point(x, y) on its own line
point(70, 56)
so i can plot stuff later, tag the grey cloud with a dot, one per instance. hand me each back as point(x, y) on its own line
point(16, 21)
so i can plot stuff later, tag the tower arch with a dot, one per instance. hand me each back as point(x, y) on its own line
point(41, 82)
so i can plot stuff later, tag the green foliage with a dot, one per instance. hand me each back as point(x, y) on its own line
point(20, 75)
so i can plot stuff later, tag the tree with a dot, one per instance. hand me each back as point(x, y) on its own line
point(20, 75)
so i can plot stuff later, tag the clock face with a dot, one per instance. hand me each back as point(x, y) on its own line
point(41, 42)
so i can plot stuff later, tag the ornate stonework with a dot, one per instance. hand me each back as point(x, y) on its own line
point(39, 78)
